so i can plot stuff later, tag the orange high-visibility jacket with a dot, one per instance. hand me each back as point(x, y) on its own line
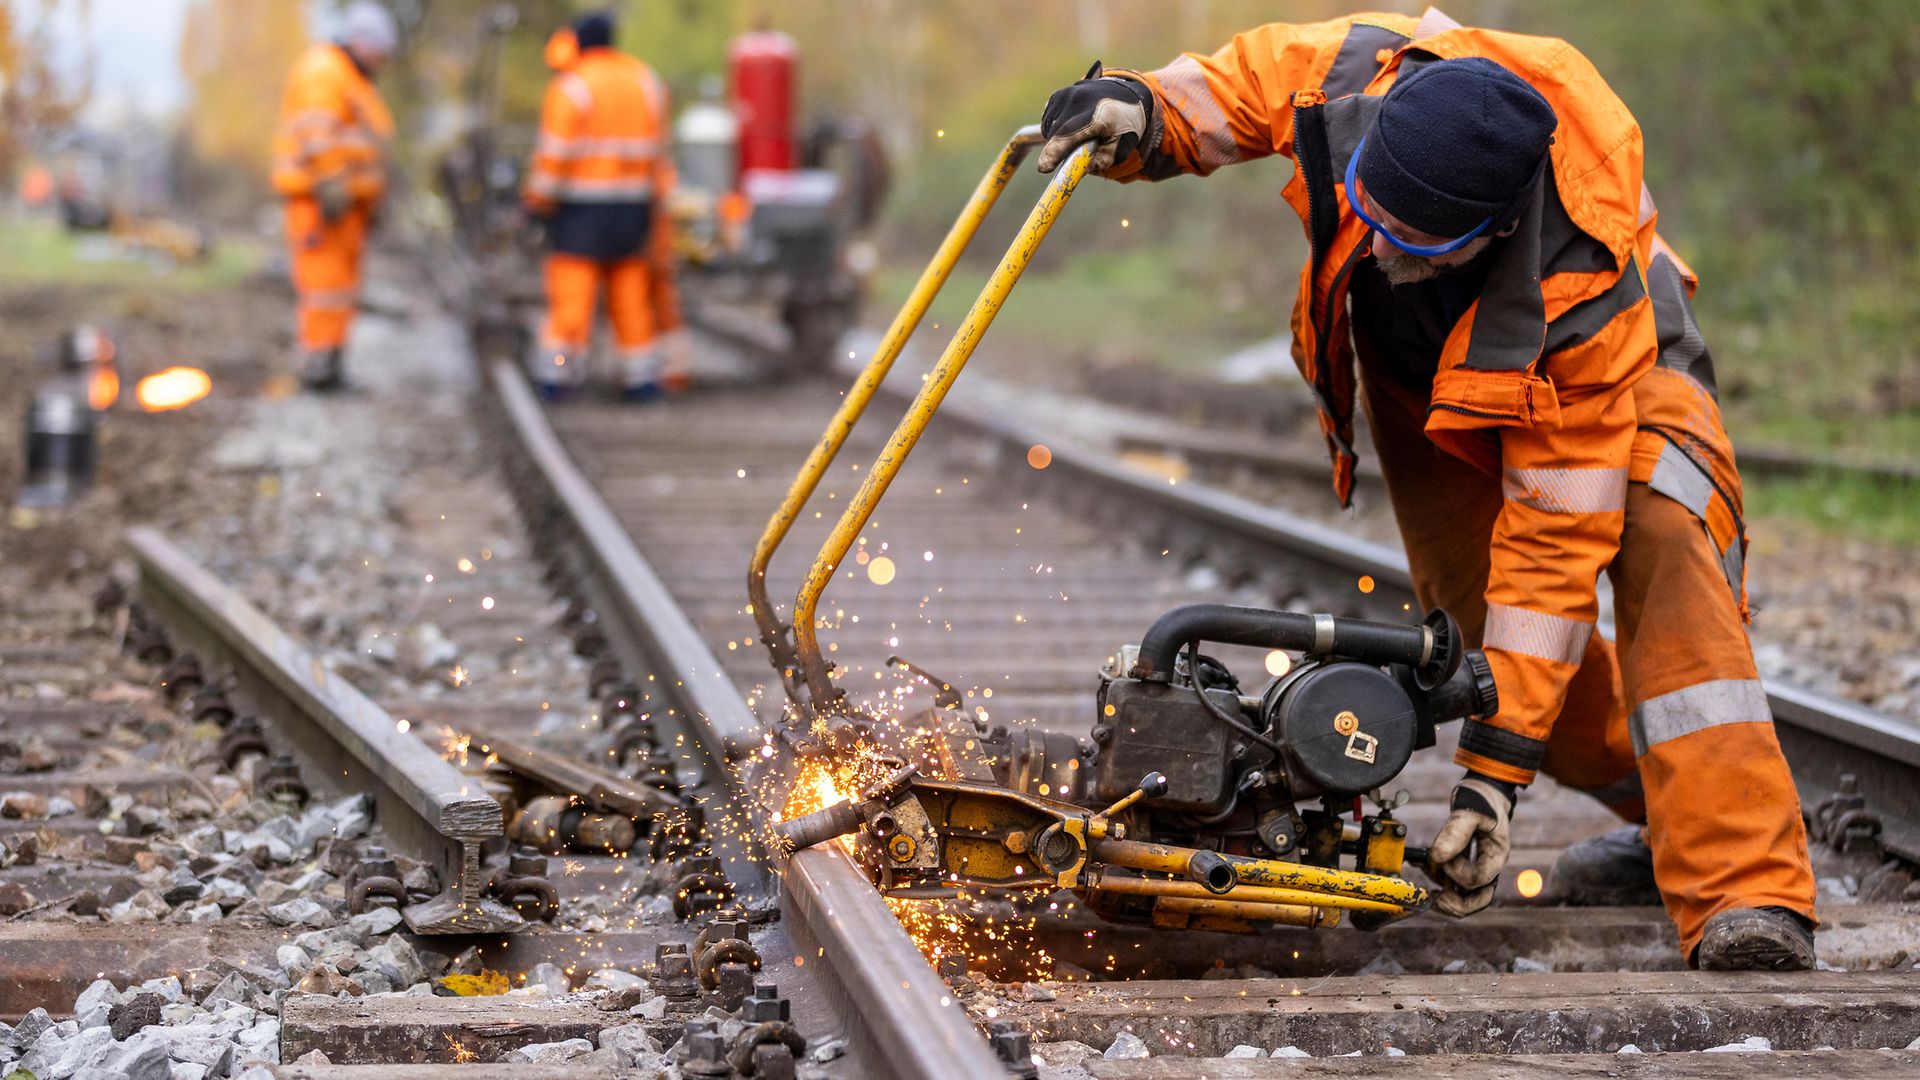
point(602, 130)
point(332, 124)
point(1577, 369)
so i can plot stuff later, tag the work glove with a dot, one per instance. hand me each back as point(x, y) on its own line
point(334, 198)
point(1471, 849)
point(1107, 110)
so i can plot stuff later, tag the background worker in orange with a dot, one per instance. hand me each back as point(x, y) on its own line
point(329, 164)
point(599, 172)
point(1542, 402)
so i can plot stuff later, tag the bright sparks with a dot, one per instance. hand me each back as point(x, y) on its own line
point(1278, 663)
point(1366, 583)
point(880, 571)
point(1039, 456)
point(174, 388)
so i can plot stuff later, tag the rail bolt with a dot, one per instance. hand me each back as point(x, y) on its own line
point(706, 1055)
point(282, 781)
point(733, 981)
point(243, 737)
point(673, 973)
point(772, 1061)
point(901, 847)
point(181, 677)
point(210, 705)
point(766, 1006)
point(1014, 1048)
point(604, 673)
point(374, 881)
point(525, 887)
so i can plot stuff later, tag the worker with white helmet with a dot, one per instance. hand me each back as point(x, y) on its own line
point(330, 161)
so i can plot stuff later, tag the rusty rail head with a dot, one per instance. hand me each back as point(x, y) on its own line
point(427, 806)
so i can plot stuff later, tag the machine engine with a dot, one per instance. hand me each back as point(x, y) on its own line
point(1191, 804)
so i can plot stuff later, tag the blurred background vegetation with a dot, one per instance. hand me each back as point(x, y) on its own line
point(1783, 147)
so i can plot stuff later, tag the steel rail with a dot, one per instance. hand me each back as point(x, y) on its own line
point(1825, 738)
point(901, 1018)
point(428, 808)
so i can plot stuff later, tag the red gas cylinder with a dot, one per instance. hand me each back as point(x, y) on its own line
point(763, 70)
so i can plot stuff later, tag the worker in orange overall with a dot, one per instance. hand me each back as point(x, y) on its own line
point(329, 165)
point(1486, 280)
point(599, 177)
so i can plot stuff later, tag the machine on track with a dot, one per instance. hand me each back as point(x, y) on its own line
point(1191, 803)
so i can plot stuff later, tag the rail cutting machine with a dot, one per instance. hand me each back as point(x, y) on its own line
point(1192, 803)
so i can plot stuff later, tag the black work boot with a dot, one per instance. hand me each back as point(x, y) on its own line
point(1756, 939)
point(1610, 870)
point(321, 371)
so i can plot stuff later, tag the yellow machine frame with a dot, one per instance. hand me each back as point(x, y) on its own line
point(994, 832)
point(805, 673)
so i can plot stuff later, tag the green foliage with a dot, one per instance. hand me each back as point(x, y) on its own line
point(41, 252)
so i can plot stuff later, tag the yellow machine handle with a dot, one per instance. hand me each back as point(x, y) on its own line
point(772, 633)
point(822, 697)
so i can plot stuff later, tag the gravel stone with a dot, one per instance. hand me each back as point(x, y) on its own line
point(1126, 1046)
point(135, 1012)
point(630, 1041)
point(1245, 1051)
point(139, 1058)
point(99, 992)
point(550, 978)
point(547, 1052)
point(168, 987)
point(235, 988)
point(301, 912)
point(364, 926)
point(613, 979)
point(292, 958)
point(651, 1009)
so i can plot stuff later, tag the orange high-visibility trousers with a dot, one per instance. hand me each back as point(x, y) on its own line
point(326, 270)
point(1670, 725)
point(573, 290)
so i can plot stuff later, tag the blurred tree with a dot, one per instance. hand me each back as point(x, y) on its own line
point(236, 54)
point(36, 98)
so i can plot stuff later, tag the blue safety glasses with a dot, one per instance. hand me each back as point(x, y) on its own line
point(1425, 250)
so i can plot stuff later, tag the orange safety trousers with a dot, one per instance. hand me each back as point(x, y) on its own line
point(1721, 812)
point(326, 270)
point(573, 292)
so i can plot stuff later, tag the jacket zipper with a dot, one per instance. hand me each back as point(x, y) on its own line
point(1464, 411)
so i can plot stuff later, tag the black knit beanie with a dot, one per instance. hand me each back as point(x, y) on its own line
point(1455, 143)
point(594, 31)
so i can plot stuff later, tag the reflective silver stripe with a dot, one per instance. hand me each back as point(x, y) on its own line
point(1733, 562)
point(1536, 634)
point(328, 299)
point(576, 88)
point(1697, 708)
point(1622, 790)
point(1434, 21)
point(1567, 491)
point(1677, 477)
point(622, 148)
point(1184, 87)
point(1647, 209)
point(608, 190)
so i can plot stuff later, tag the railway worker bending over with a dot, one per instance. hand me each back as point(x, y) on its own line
point(1486, 281)
point(600, 172)
point(329, 165)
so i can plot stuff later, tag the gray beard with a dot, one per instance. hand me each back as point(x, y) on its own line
point(1406, 269)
